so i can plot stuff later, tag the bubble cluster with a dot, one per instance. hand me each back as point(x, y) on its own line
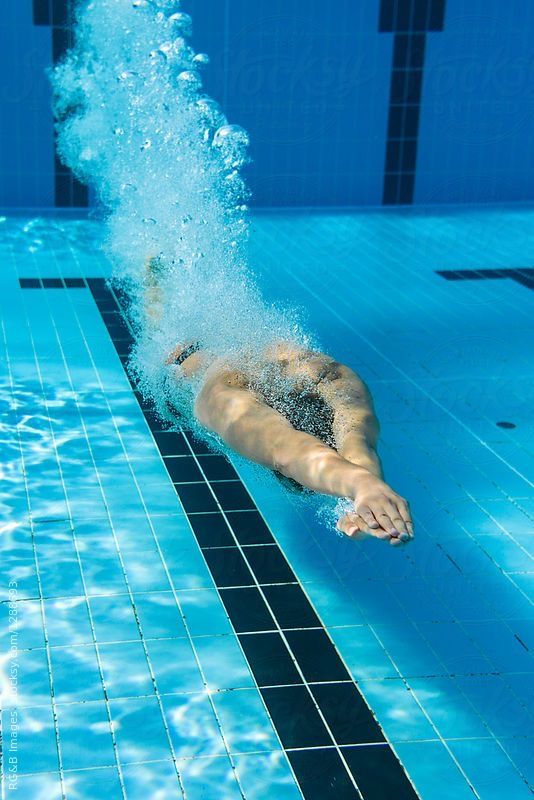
point(133, 121)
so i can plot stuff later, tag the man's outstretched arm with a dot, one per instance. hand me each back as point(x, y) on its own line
point(262, 434)
point(356, 430)
point(355, 427)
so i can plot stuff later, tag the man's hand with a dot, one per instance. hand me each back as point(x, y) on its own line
point(379, 512)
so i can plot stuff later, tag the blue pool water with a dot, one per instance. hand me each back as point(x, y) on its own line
point(130, 667)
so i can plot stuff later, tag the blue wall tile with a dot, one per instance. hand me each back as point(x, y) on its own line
point(311, 83)
point(477, 106)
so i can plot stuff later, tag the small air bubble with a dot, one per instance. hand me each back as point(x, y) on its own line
point(232, 141)
point(189, 78)
point(126, 74)
point(182, 20)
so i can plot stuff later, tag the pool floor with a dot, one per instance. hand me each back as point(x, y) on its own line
point(177, 625)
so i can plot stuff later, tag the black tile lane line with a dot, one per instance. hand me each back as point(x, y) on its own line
point(409, 21)
point(310, 695)
point(523, 275)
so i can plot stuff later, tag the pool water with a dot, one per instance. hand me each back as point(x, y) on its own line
point(178, 625)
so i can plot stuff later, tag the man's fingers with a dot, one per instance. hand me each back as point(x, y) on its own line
point(378, 523)
point(357, 528)
point(358, 525)
point(344, 524)
point(366, 530)
point(400, 516)
point(404, 512)
point(385, 515)
point(395, 517)
point(353, 525)
point(366, 514)
point(386, 522)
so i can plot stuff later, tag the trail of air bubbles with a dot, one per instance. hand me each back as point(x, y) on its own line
point(132, 120)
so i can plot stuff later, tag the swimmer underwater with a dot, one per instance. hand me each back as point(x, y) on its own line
point(133, 122)
point(340, 458)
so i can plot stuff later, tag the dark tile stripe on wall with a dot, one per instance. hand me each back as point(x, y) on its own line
point(68, 191)
point(41, 12)
point(523, 275)
point(307, 689)
point(409, 20)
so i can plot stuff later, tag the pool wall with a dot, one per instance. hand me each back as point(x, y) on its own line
point(347, 103)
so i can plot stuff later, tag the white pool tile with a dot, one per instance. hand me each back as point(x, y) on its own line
point(193, 726)
point(434, 772)
point(203, 777)
point(244, 722)
point(402, 717)
point(36, 739)
point(160, 615)
point(262, 774)
point(101, 782)
point(130, 716)
point(174, 666)
point(498, 774)
point(156, 778)
point(76, 674)
point(118, 681)
point(45, 786)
